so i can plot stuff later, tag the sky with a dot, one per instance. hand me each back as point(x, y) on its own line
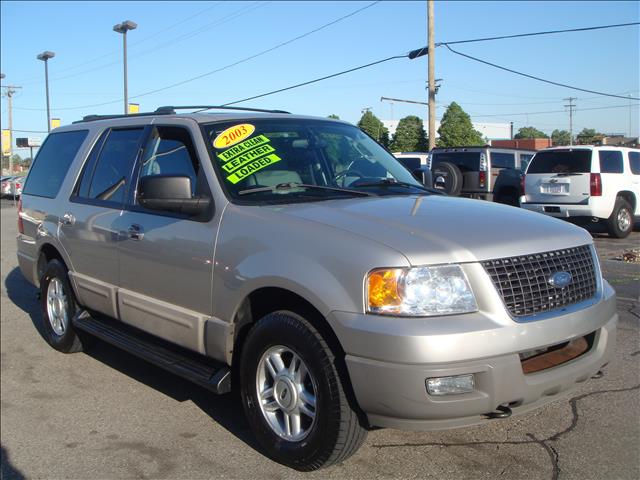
point(176, 41)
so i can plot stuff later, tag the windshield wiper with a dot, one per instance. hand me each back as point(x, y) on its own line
point(392, 182)
point(293, 185)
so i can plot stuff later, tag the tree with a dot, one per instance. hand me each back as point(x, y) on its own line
point(456, 129)
point(588, 136)
point(560, 137)
point(530, 132)
point(410, 135)
point(334, 116)
point(374, 127)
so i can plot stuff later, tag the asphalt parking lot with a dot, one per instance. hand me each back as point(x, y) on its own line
point(105, 414)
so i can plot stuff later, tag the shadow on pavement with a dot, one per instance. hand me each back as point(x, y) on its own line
point(8, 471)
point(226, 410)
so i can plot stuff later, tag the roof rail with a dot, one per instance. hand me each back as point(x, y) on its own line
point(93, 118)
point(170, 110)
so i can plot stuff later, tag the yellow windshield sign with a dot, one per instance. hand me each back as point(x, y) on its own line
point(253, 167)
point(233, 135)
point(242, 148)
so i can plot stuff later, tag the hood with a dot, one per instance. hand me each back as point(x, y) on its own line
point(437, 229)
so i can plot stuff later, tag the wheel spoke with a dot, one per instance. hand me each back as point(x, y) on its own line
point(271, 406)
point(295, 423)
point(308, 398)
point(293, 366)
point(267, 394)
point(276, 360)
point(301, 373)
point(309, 413)
point(287, 423)
point(270, 368)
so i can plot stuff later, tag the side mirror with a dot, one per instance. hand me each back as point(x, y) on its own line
point(424, 176)
point(170, 193)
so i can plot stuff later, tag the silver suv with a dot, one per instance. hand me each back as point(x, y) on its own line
point(294, 259)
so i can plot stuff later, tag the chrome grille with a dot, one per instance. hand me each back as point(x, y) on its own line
point(523, 281)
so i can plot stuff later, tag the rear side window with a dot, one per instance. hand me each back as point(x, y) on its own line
point(465, 161)
point(561, 161)
point(525, 158)
point(52, 163)
point(108, 171)
point(634, 162)
point(503, 160)
point(412, 163)
point(610, 161)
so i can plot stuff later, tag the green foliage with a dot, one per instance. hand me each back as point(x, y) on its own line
point(588, 136)
point(456, 129)
point(410, 136)
point(334, 116)
point(560, 137)
point(530, 132)
point(374, 127)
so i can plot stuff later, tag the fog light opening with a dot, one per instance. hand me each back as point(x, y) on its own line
point(454, 385)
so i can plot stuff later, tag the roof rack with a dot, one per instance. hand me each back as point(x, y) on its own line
point(171, 110)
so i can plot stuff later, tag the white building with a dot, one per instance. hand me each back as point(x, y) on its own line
point(490, 131)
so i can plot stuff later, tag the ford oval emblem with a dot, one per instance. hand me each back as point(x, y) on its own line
point(560, 279)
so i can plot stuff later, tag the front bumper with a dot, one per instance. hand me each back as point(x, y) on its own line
point(389, 359)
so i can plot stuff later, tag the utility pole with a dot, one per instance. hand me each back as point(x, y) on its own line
point(10, 90)
point(431, 74)
point(571, 107)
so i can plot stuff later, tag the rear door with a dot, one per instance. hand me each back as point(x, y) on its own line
point(559, 176)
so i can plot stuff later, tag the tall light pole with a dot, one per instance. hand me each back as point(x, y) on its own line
point(45, 56)
point(123, 28)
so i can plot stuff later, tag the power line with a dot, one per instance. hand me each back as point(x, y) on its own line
point(551, 111)
point(246, 59)
point(538, 78)
point(315, 80)
point(548, 32)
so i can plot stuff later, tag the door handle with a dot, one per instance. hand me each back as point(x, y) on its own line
point(135, 232)
point(68, 219)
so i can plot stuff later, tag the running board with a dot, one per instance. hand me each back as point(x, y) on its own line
point(212, 375)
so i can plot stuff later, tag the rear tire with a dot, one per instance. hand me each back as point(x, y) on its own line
point(59, 306)
point(620, 223)
point(452, 177)
point(327, 430)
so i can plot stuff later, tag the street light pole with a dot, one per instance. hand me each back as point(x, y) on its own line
point(45, 56)
point(123, 28)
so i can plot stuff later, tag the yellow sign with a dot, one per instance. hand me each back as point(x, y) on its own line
point(252, 167)
point(6, 142)
point(134, 108)
point(242, 148)
point(55, 123)
point(233, 135)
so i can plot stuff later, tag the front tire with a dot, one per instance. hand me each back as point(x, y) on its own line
point(620, 222)
point(58, 305)
point(293, 396)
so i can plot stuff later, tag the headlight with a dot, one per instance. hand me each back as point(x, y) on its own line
point(419, 291)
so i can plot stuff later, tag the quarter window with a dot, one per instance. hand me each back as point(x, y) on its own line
point(503, 160)
point(52, 163)
point(610, 161)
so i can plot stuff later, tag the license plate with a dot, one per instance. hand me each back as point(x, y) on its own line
point(555, 188)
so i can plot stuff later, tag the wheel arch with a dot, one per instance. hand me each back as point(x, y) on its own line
point(630, 197)
point(46, 253)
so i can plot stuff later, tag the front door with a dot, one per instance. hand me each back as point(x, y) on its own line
point(166, 259)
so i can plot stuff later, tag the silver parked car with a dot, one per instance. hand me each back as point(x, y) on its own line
point(296, 260)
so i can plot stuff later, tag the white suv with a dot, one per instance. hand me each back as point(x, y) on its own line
point(586, 184)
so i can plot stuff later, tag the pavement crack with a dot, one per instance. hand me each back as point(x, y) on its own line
point(553, 455)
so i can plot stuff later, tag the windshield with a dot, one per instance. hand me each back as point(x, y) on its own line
point(295, 157)
point(561, 161)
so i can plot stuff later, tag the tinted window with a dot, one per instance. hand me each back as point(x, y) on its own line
point(114, 165)
point(170, 152)
point(503, 160)
point(561, 161)
point(52, 162)
point(412, 163)
point(82, 188)
point(634, 161)
point(610, 161)
point(465, 161)
point(525, 158)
